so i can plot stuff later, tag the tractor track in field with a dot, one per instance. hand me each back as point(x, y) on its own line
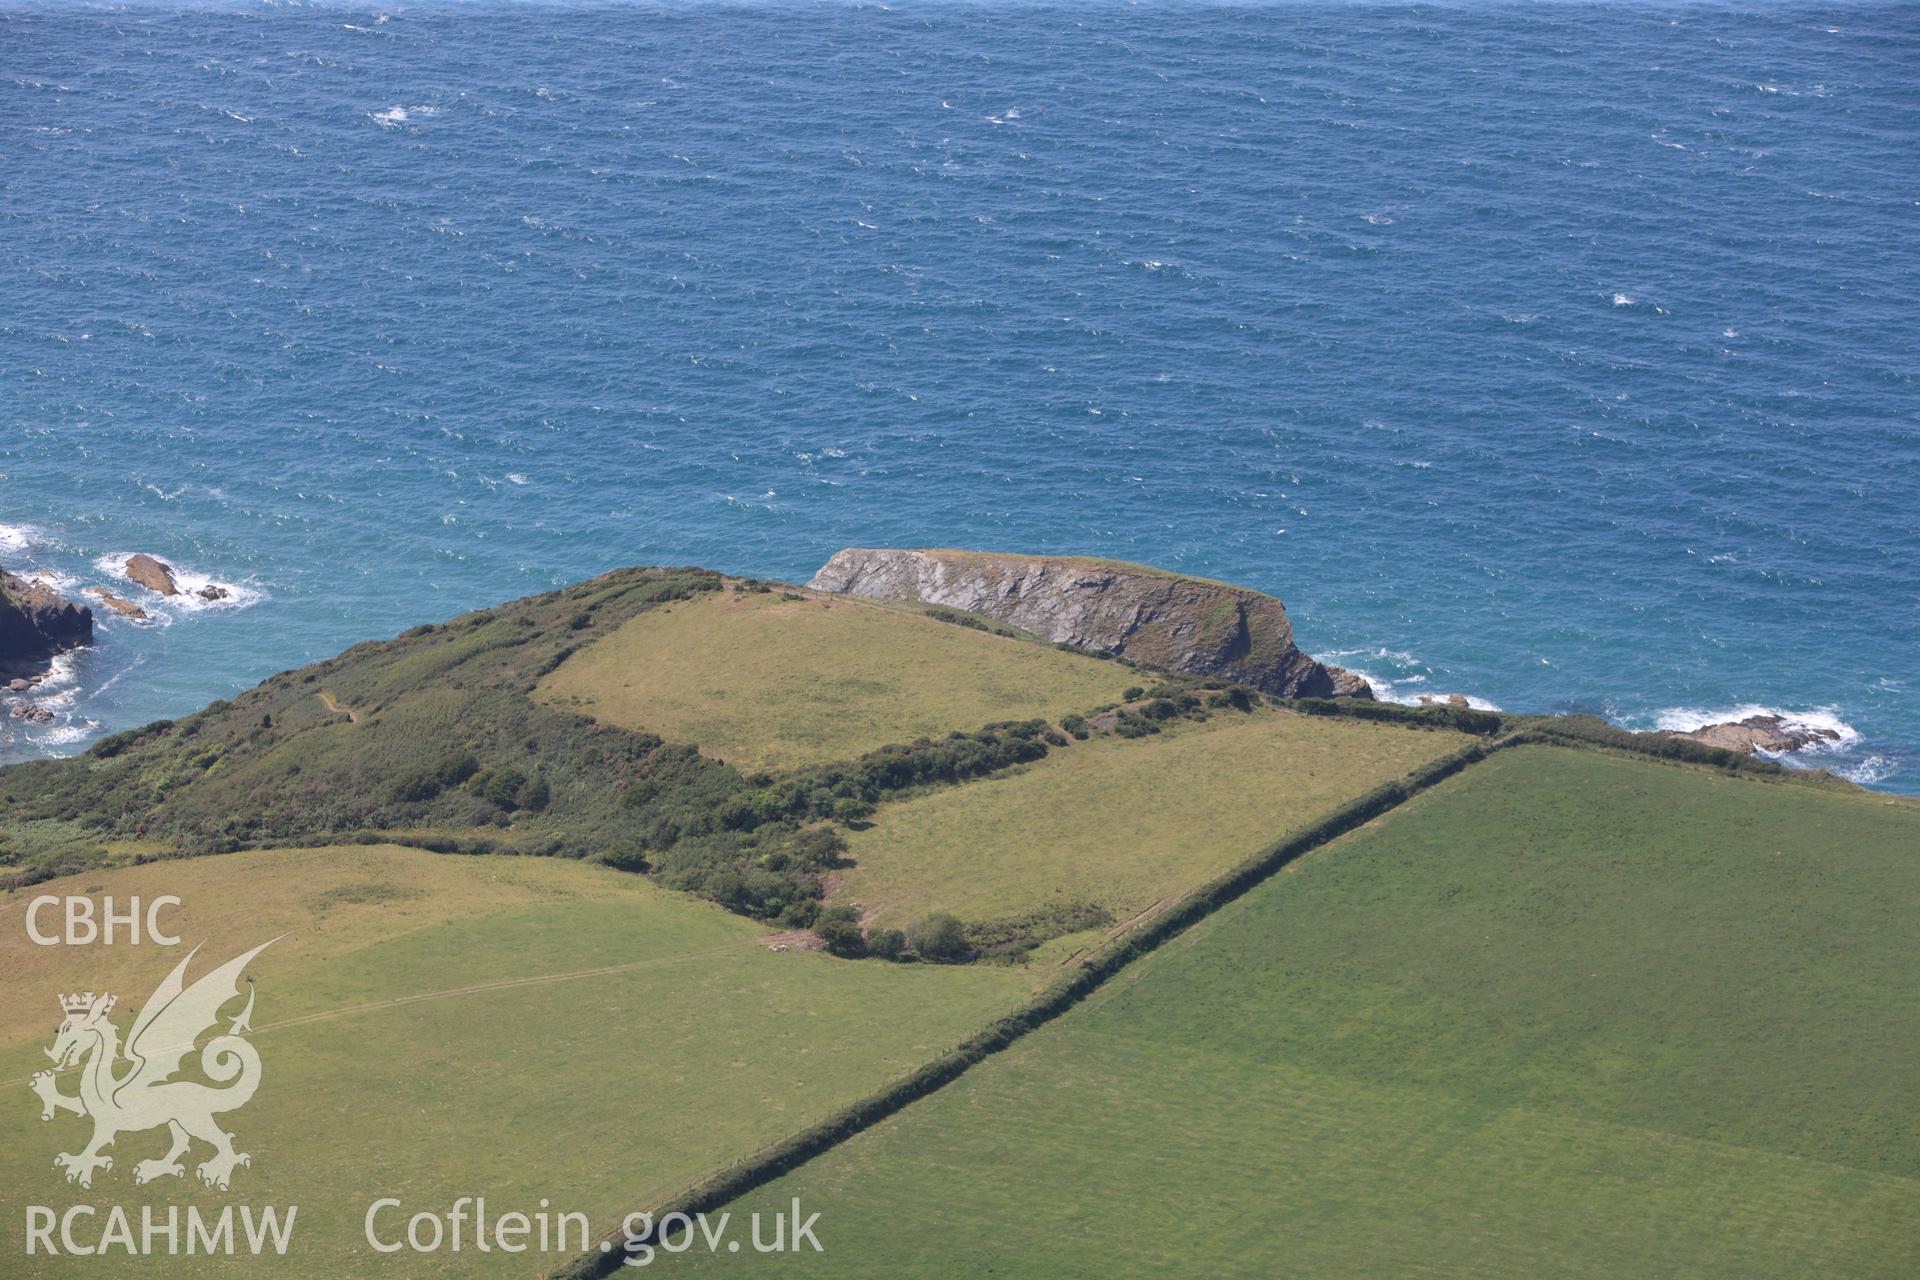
point(485, 988)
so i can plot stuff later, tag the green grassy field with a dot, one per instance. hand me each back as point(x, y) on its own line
point(1121, 823)
point(1566, 1015)
point(767, 683)
point(445, 1026)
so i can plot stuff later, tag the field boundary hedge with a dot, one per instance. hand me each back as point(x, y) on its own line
point(791, 1152)
point(1581, 731)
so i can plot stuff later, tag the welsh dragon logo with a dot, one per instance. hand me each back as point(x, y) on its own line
point(143, 1094)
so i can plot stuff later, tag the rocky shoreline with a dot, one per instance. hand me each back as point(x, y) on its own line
point(38, 624)
point(1193, 625)
point(1163, 619)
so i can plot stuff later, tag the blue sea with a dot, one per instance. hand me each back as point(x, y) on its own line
point(1559, 355)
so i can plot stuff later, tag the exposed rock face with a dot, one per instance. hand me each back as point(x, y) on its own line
point(155, 575)
point(37, 622)
point(125, 608)
point(213, 591)
point(1774, 735)
point(1184, 624)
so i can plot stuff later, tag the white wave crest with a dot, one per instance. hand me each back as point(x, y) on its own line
point(62, 674)
point(63, 583)
point(61, 734)
point(398, 115)
point(16, 538)
point(1400, 677)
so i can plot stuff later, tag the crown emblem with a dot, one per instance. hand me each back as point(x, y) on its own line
point(81, 1002)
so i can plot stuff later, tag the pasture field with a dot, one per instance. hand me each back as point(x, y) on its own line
point(1567, 1014)
point(438, 1026)
point(1122, 822)
point(768, 683)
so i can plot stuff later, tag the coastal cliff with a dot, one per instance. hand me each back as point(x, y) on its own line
point(37, 622)
point(1184, 624)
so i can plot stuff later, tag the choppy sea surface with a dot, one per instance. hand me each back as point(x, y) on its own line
point(1562, 356)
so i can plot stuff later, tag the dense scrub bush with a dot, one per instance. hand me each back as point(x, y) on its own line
point(113, 744)
point(1463, 719)
point(887, 944)
point(959, 619)
point(1017, 935)
point(429, 781)
point(510, 789)
point(939, 938)
point(799, 914)
point(839, 928)
point(1131, 724)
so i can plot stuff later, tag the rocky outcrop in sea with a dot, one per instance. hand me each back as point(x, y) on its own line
point(1184, 624)
point(37, 622)
point(1769, 734)
point(125, 608)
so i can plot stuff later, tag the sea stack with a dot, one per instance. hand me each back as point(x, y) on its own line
point(1166, 619)
point(37, 622)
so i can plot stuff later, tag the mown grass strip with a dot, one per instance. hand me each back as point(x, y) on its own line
point(782, 1157)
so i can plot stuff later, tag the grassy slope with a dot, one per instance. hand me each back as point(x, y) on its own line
point(1122, 822)
point(286, 760)
point(1568, 1015)
point(767, 683)
point(695, 1048)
